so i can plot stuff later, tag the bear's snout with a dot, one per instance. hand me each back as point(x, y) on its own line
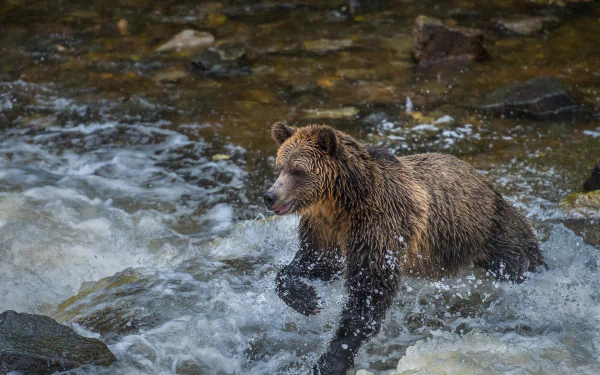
point(269, 198)
point(277, 201)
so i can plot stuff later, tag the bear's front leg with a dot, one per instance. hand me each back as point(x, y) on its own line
point(316, 259)
point(370, 294)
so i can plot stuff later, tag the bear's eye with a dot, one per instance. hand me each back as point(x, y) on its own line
point(298, 172)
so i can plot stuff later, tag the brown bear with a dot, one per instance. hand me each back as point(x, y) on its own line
point(372, 218)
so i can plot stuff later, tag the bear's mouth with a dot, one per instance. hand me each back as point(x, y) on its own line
point(284, 209)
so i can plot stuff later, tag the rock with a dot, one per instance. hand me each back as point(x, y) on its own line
point(364, 372)
point(593, 183)
point(445, 120)
point(435, 42)
point(218, 157)
point(402, 44)
point(227, 60)
point(541, 98)
point(188, 39)
point(420, 117)
point(36, 344)
point(345, 112)
point(582, 204)
point(122, 25)
point(356, 74)
point(526, 25)
point(326, 45)
point(169, 75)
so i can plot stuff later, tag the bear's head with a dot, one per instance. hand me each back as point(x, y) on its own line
point(308, 161)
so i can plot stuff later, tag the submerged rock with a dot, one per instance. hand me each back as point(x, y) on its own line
point(336, 113)
point(593, 183)
point(169, 75)
point(122, 25)
point(435, 42)
point(541, 97)
point(582, 204)
point(526, 25)
point(223, 61)
point(188, 39)
point(326, 45)
point(36, 344)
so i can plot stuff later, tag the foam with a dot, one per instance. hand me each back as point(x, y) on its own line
point(228, 317)
point(78, 207)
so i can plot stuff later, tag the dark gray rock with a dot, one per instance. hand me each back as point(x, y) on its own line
point(36, 344)
point(222, 61)
point(593, 183)
point(435, 42)
point(541, 98)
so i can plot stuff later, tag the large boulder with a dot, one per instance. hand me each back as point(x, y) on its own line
point(36, 344)
point(541, 98)
point(435, 42)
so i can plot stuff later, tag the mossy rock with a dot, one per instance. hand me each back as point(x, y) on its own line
point(584, 204)
point(36, 344)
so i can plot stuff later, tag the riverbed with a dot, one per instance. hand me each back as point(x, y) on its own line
point(131, 183)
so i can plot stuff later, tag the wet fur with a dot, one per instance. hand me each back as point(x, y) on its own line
point(373, 218)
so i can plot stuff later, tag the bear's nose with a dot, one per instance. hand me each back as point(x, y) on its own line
point(269, 199)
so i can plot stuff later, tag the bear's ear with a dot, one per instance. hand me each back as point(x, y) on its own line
point(281, 132)
point(327, 140)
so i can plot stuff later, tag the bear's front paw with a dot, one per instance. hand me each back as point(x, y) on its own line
point(331, 364)
point(300, 297)
point(305, 300)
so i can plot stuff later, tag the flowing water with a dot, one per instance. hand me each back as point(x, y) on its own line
point(130, 197)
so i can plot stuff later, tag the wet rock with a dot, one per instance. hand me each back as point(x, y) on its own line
point(125, 303)
point(188, 39)
point(326, 45)
point(122, 25)
point(526, 25)
point(227, 60)
point(36, 344)
point(582, 204)
point(402, 44)
point(445, 120)
point(435, 42)
point(541, 98)
point(337, 113)
point(593, 183)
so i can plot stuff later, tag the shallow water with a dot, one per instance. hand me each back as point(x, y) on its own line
point(154, 187)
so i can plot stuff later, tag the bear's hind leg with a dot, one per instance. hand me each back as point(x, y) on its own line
point(514, 249)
